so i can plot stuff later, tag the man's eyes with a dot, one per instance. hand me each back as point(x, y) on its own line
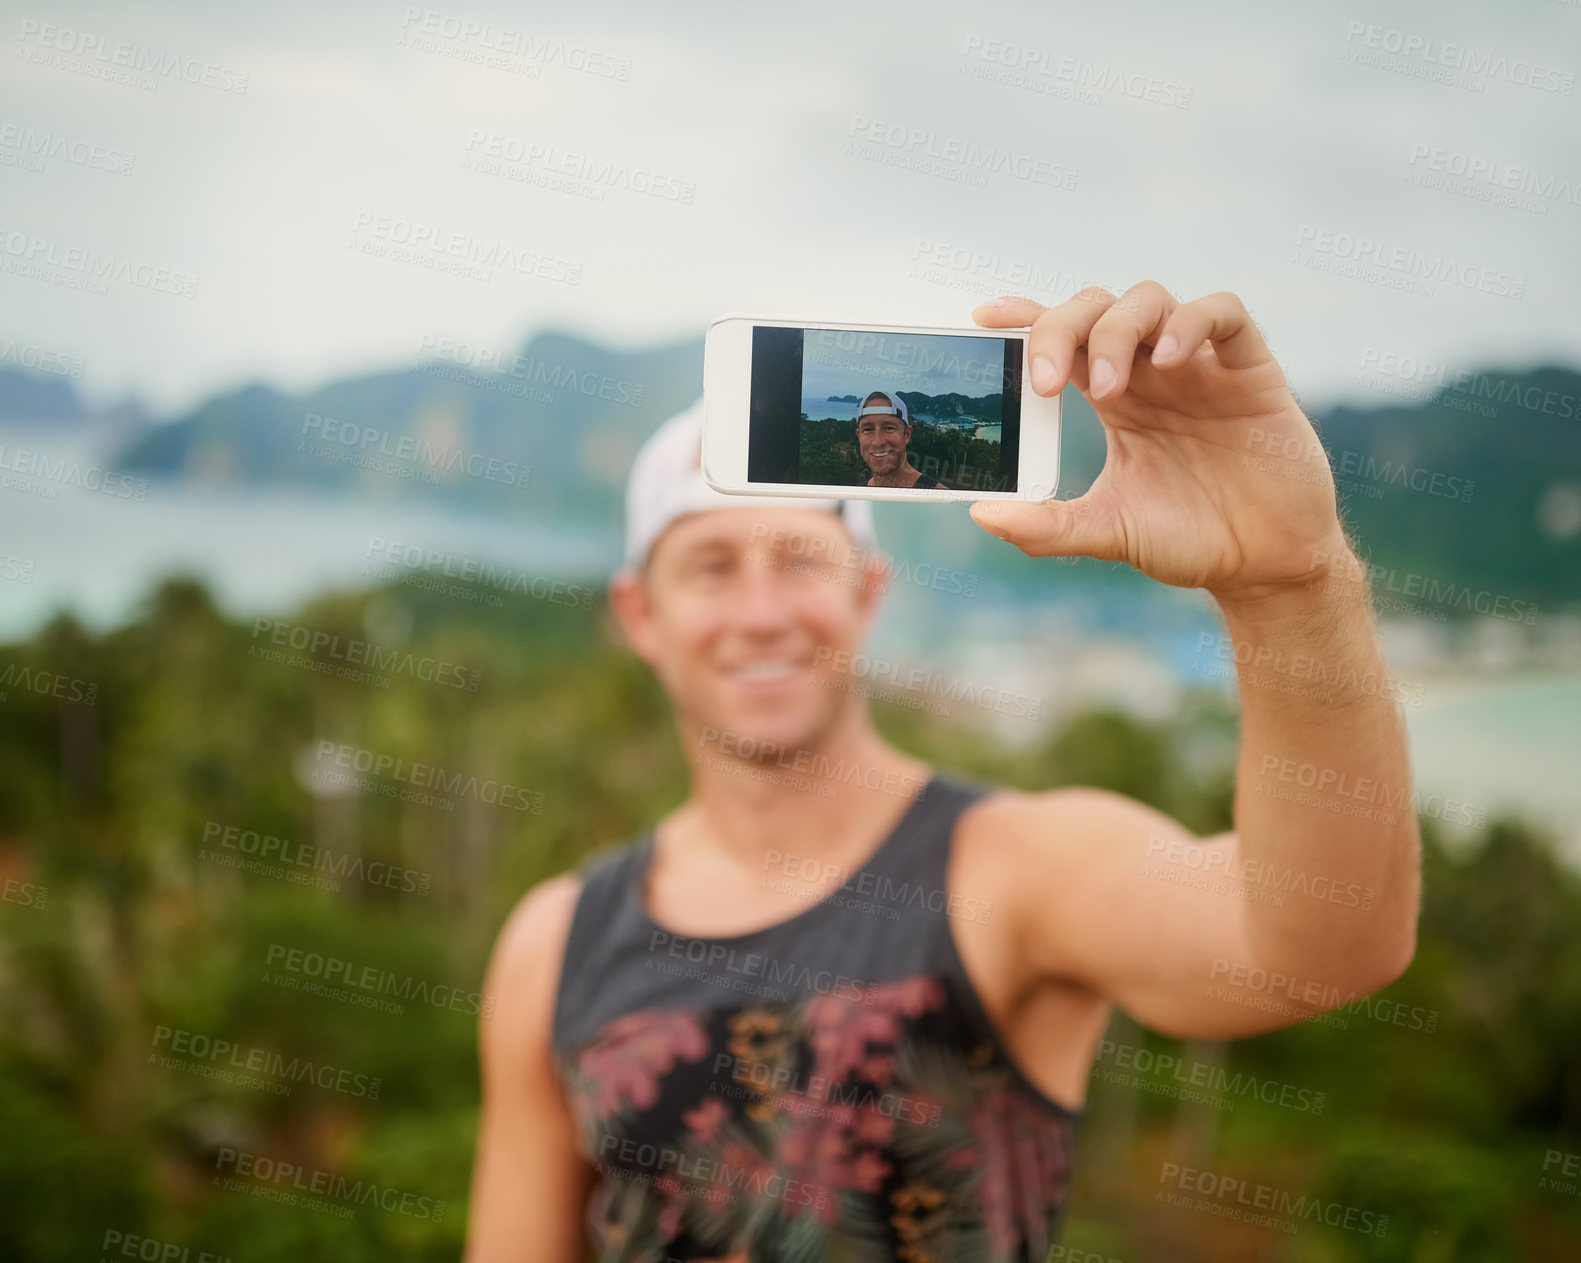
point(718, 565)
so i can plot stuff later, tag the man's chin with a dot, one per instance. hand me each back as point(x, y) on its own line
point(757, 736)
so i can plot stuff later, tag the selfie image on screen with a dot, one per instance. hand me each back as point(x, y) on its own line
point(874, 408)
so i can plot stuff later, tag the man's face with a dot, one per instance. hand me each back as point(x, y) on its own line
point(883, 439)
point(740, 607)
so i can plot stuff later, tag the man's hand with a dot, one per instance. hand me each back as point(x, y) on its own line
point(1194, 407)
point(1215, 479)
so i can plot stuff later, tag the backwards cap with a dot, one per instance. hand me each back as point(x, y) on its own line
point(897, 407)
point(666, 482)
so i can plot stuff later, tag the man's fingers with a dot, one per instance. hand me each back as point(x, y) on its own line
point(1057, 332)
point(1218, 318)
point(1053, 528)
point(1008, 312)
point(1058, 336)
point(1093, 337)
point(1133, 319)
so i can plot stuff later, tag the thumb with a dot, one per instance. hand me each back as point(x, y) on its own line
point(1050, 528)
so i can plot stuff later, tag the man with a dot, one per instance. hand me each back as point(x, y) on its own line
point(883, 429)
point(718, 1043)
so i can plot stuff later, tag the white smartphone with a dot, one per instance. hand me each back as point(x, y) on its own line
point(829, 408)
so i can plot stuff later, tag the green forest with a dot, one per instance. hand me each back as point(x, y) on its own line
point(829, 455)
point(186, 826)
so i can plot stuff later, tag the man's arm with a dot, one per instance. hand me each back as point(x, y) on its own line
point(1215, 479)
point(1310, 902)
point(530, 1186)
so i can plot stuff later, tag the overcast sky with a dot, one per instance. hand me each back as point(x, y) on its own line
point(1212, 146)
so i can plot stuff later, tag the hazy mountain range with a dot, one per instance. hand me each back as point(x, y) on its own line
point(1478, 482)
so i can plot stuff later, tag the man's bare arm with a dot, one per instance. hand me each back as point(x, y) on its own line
point(1310, 902)
point(1323, 783)
point(530, 1186)
point(1215, 479)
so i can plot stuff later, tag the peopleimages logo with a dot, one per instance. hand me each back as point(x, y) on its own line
point(707, 961)
point(292, 1180)
point(48, 684)
point(1477, 389)
point(1184, 1072)
point(1272, 988)
point(443, 249)
point(231, 1062)
point(483, 37)
point(1214, 860)
point(922, 680)
point(812, 763)
point(1427, 52)
point(971, 162)
point(791, 1090)
point(34, 146)
point(488, 361)
point(1263, 1204)
point(1028, 60)
point(423, 455)
point(880, 886)
point(118, 1244)
point(1362, 789)
point(361, 653)
point(1348, 254)
point(40, 359)
point(1387, 581)
point(283, 857)
point(37, 474)
point(421, 776)
point(27, 254)
point(371, 979)
point(397, 557)
point(95, 56)
point(719, 1181)
point(1307, 669)
point(498, 152)
point(1499, 175)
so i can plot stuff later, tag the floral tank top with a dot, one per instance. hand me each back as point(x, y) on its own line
point(828, 1088)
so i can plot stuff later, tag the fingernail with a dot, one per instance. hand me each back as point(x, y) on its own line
point(992, 302)
point(1042, 374)
point(1102, 376)
point(1167, 346)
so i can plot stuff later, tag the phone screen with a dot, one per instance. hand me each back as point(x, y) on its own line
point(880, 408)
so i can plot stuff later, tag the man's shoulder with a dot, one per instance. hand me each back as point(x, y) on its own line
point(532, 940)
point(545, 912)
point(1044, 827)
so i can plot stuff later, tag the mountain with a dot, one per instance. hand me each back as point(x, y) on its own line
point(33, 395)
point(550, 434)
point(37, 396)
point(984, 409)
point(1477, 482)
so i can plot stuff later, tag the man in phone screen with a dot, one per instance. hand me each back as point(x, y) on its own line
point(839, 1004)
point(883, 429)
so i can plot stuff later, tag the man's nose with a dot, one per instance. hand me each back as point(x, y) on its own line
point(762, 601)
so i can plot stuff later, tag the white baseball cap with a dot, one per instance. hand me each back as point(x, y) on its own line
point(896, 408)
point(666, 482)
